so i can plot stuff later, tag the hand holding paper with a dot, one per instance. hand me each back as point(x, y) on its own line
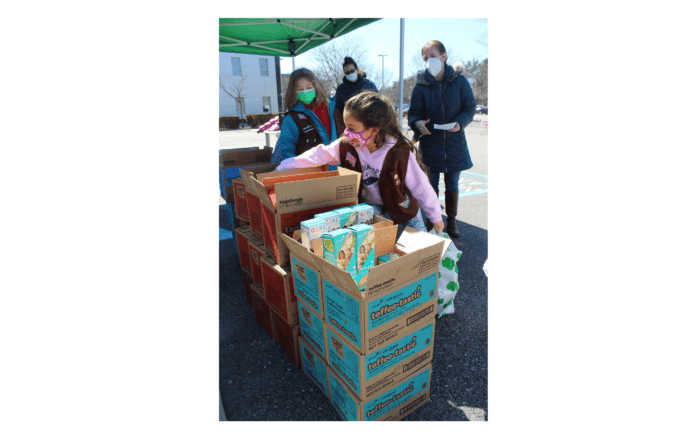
point(446, 127)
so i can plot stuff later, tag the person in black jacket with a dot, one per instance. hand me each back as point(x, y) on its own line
point(442, 95)
point(354, 82)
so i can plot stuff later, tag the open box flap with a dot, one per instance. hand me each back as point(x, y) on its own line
point(416, 239)
point(262, 194)
point(340, 189)
point(273, 173)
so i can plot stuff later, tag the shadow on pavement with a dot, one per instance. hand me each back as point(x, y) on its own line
point(258, 382)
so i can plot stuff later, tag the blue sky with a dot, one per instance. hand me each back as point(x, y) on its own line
point(383, 37)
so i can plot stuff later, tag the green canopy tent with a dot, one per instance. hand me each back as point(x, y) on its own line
point(287, 37)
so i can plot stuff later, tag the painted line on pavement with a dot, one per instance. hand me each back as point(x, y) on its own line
point(225, 234)
point(480, 175)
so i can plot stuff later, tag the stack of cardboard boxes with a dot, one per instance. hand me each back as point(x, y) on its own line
point(276, 203)
point(368, 346)
point(231, 186)
point(370, 349)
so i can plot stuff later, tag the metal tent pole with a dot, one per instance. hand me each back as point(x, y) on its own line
point(401, 75)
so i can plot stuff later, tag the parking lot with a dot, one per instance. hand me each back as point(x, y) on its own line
point(258, 382)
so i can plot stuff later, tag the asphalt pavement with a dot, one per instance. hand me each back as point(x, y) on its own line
point(258, 382)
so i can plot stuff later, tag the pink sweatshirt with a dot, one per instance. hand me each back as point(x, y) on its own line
point(416, 180)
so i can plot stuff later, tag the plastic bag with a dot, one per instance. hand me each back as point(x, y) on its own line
point(448, 282)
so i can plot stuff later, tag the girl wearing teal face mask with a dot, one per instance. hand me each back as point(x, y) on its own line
point(307, 122)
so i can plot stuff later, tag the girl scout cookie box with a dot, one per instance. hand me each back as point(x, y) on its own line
point(364, 245)
point(331, 218)
point(312, 229)
point(308, 285)
point(312, 328)
point(369, 375)
point(263, 313)
point(347, 217)
point(400, 295)
point(365, 213)
point(339, 249)
point(392, 404)
point(285, 204)
point(314, 366)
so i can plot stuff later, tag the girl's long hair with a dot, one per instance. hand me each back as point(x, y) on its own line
point(290, 96)
point(373, 110)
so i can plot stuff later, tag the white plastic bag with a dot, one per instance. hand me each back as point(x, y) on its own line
point(448, 282)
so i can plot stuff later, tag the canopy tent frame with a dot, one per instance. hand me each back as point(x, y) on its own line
point(253, 40)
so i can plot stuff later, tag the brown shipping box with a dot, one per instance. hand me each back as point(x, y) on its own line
point(393, 404)
point(279, 290)
point(232, 160)
point(297, 201)
point(263, 314)
point(367, 376)
point(314, 366)
point(239, 199)
point(244, 236)
point(287, 338)
point(400, 295)
point(308, 284)
point(248, 282)
point(257, 253)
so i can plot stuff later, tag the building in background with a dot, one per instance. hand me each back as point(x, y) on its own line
point(250, 82)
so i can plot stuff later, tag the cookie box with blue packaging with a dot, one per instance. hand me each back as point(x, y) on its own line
point(339, 249)
point(314, 366)
point(391, 404)
point(368, 375)
point(399, 296)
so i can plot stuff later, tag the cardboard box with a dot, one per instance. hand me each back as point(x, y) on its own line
point(263, 313)
point(307, 284)
point(230, 163)
point(288, 339)
point(368, 375)
point(248, 282)
point(400, 295)
point(257, 253)
point(279, 290)
point(313, 330)
point(239, 199)
point(297, 201)
point(244, 236)
point(393, 404)
point(314, 366)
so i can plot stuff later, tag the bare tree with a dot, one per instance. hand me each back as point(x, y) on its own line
point(328, 60)
point(481, 83)
point(385, 83)
point(235, 89)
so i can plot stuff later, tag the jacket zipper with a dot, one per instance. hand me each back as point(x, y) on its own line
point(444, 134)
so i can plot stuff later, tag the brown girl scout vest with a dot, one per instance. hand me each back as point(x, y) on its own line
point(392, 179)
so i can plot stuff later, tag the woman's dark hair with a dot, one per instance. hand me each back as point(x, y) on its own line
point(374, 110)
point(348, 61)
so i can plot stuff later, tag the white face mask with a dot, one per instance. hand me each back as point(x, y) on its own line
point(434, 65)
point(352, 77)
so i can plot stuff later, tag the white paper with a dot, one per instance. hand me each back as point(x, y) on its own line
point(447, 126)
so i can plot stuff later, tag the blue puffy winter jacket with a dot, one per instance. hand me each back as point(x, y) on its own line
point(448, 100)
point(286, 146)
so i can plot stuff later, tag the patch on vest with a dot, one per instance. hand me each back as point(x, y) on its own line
point(349, 157)
point(301, 116)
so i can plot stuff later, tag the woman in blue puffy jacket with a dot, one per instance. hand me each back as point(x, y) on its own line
point(309, 121)
point(442, 95)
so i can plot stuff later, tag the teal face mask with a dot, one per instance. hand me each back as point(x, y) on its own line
point(306, 96)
